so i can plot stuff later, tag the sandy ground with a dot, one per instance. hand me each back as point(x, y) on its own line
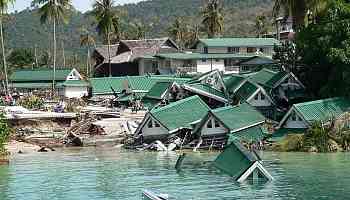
point(14, 147)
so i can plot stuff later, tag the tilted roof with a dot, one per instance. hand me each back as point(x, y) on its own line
point(233, 82)
point(134, 83)
point(74, 83)
point(206, 90)
point(322, 110)
point(159, 89)
point(267, 78)
point(239, 42)
point(235, 159)
point(238, 118)
point(42, 74)
point(246, 91)
point(103, 50)
point(181, 114)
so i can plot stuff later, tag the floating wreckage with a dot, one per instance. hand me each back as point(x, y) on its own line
point(242, 164)
point(149, 195)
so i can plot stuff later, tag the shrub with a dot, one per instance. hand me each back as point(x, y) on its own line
point(4, 134)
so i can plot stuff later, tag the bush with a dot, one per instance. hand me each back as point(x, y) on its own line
point(32, 102)
point(4, 134)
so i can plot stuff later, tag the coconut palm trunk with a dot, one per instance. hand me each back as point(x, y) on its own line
point(109, 54)
point(54, 55)
point(88, 63)
point(3, 54)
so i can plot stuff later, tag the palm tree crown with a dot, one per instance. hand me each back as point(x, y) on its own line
point(213, 19)
point(53, 10)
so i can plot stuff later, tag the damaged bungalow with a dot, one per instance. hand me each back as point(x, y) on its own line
point(301, 116)
point(183, 115)
point(242, 122)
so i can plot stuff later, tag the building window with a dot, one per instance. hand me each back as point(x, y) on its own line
point(262, 96)
point(217, 124)
point(245, 68)
point(204, 60)
point(251, 49)
point(294, 117)
point(150, 125)
point(217, 60)
point(209, 124)
point(205, 49)
point(256, 97)
point(233, 49)
point(156, 124)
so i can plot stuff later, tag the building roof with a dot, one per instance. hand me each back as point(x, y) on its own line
point(258, 60)
point(206, 90)
point(281, 133)
point(320, 110)
point(233, 82)
point(101, 86)
point(130, 96)
point(103, 51)
point(246, 91)
point(31, 85)
point(199, 56)
point(235, 160)
point(250, 135)
point(181, 114)
point(42, 74)
point(239, 42)
point(159, 89)
point(267, 78)
point(238, 118)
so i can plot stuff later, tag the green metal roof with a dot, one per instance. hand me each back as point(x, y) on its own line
point(322, 110)
point(74, 83)
point(134, 83)
point(238, 118)
point(150, 103)
point(199, 56)
point(267, 78)
point(31, 85)
point(205, 88)
point(235, 160)
point(159, 89)
point(258, 60)
point(239, 42)
point(233, 82)
point(181, 114)
point(246, 91)
point(43, 74)
point(253, 134)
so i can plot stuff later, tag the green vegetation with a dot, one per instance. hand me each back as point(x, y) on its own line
point(4, 134)
point(213, 19)
point(31, 102)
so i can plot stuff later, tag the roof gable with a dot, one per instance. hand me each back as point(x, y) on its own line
point(246, 91)
point(233, 83)
point(320, 110)
point(237, 118)
point(181, 114)
point(206, 90)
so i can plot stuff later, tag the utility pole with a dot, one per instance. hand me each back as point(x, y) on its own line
point(36, 56)
point(64, 56)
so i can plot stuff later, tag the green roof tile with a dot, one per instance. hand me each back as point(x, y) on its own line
point(131, 96)
point(253, 134)
point(238, 118)
point(239, 42)
point(74, 83)
point(233, 82)
point(246, 91)
point(43, 74)
point(199, 56)
point(31, 85)
point(235, 160)
point(158, 89)
point(267, 78)
point(322, 110)
point(181, 114)
point(200, 88)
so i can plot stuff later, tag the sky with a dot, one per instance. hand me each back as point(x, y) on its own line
point(82, 5)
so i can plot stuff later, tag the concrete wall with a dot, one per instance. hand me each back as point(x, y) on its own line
point(207, 132)
point(75, 92)
point(209, 65)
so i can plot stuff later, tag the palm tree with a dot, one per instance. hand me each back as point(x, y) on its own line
point(53, 11)
point(298, 9)
point(140, 30)
point(213, 19)
point(177, 31)
point(3, 10)
point(87, 40)
point(261, 25)
point(107, 22)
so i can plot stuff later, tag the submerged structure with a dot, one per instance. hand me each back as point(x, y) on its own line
point(242, 164)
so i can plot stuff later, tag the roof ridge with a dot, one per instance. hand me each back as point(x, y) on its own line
point(179, 102)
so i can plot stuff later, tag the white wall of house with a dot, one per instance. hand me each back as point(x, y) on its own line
point(295, 121)
point(152, 128)
point(266, 50)
point(260, 100)
point(211, 128)
point(209, 65)
point(75, 92)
